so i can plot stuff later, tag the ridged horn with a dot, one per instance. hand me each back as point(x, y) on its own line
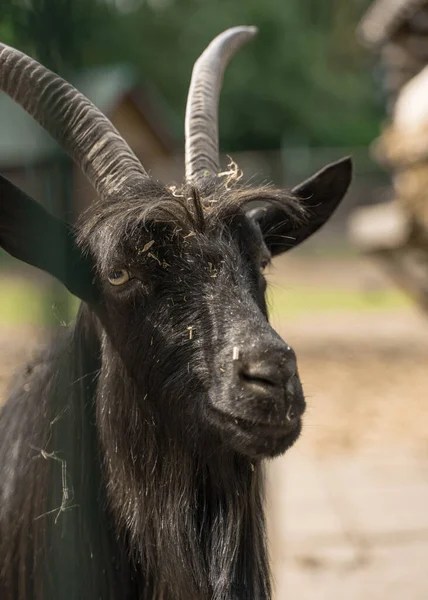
point(79, 127)
point(201, 125)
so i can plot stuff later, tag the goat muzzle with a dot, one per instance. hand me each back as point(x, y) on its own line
point(261, 401)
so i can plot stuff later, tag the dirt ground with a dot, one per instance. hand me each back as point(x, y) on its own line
point(348, 505)
point(366, 379)
point(364, 393)
point(365, 374)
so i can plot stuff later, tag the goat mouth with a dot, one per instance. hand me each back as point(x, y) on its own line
point(257, 439)
point(258, 428)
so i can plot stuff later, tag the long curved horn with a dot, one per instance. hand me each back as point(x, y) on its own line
point(201, 126)
point(79, 127)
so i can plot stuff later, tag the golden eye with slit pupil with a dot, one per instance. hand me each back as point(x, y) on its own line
point(118, 277)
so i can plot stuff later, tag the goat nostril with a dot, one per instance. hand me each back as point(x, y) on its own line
point(270, 367)
point(258, 378)
point(269, 376)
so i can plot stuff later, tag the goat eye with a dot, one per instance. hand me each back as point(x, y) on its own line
point(119, 277)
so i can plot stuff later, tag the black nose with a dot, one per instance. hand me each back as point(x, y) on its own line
point(269, 368)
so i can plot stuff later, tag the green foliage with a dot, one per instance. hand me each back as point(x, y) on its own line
point(53, 30)
point(304, 78)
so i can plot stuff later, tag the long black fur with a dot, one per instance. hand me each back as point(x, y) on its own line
point(113, 483)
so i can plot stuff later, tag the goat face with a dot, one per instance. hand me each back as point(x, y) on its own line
point(182, 299)
point(184, 308)
point(175, 277)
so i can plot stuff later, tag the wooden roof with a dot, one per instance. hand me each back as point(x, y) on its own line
point(384, 17)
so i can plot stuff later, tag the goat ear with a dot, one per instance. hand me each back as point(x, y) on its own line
point(28, 232)
point(320, 196)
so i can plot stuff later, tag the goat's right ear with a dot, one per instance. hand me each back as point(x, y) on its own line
point(28, 232)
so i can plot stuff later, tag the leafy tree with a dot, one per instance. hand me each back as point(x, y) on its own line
point(55, 31)
point(304, 77)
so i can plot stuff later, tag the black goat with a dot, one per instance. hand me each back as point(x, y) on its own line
point(131, 451)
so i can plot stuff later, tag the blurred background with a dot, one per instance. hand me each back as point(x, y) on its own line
point(348, 506)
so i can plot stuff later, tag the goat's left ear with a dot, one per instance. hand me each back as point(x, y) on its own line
point(28, 232)
point(320, 196)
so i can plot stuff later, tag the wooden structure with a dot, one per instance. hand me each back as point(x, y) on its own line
point(397, 30)
point(397, 232)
